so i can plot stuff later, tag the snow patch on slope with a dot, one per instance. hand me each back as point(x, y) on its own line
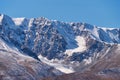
point(18, 21)
point(8, 47)
point(81, 46)
point(13, 49)
point(87, 61)
point(105, 29)
point(1, 18)
point(95, 32)
point(58, 66)
point(30, 22)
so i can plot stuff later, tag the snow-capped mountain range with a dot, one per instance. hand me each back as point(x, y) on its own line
point(67, 47)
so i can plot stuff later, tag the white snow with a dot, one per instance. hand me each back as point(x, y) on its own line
point(114, 36)
point(11, 48)
point(5, 46)
point(56, 64)
point(87, 61)
point(118, 49)
point(95, 32)
point(81, 46)
point(1, 17)
point(30, 22)
point(18, 21)
point(67, 33)
point(105, 52)
point(105, 29)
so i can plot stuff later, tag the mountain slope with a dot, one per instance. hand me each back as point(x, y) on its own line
point(14, 65)
point(17, 64)
point(68, 47)
point(107, 68)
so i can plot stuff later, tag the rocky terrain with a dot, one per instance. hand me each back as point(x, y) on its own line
point(107, 68)
point(37, 48)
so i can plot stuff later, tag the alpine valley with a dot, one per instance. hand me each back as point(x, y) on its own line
point(43, 49)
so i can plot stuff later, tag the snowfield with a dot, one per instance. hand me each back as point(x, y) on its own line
point(81, 46)
point(56, 64)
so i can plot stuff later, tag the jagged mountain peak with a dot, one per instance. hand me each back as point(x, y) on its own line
point(6, 20)
point(42, 32)
point(111, 35)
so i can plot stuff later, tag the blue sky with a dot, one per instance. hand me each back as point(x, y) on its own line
point(104, 13)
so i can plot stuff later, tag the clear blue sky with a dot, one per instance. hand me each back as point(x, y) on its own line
point(97, 12)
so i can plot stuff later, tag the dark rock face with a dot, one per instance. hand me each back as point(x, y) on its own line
point(48, 42)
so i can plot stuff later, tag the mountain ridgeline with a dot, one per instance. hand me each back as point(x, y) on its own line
point(75, 48)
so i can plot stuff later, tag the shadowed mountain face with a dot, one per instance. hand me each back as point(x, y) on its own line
point(37, 48)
